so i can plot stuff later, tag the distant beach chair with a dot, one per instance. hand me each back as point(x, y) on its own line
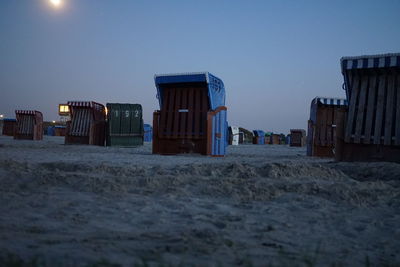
point(241, 137)
point(324, 115)
point(148, 132)
point(124, 125)
point(245, 136)
point(29, 125)
point(297, 137)
point(59, 130)
point(370, 130)
point(259, 137)
point(9, 126)
point(192, 115)
point(275, 139)
point(233, 135)
point(87, 124)
point(268, 138)
point(282, 139)
point(50, 131)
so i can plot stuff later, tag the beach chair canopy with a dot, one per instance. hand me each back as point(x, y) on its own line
point(215, 86)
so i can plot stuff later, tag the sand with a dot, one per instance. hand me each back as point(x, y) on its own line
point(258, 206)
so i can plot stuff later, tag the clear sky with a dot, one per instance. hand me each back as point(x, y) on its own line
point(273, 56)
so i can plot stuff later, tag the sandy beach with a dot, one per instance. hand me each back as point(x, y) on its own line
point(258, 206)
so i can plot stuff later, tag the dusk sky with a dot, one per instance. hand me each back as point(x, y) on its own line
point(273, 56)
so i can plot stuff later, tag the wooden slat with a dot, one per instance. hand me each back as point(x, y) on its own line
point(196, 118)
point(370, 108)
point(177, 115)
point(204, 112)
point(324, 117)
point(78, 122)
point(361, 108)
point(74, 122)
point(22, 124)
point(183, 129)
point(19, 124)
point(397, 141)
point(329, 122)
point(84, 131)
point(90, 119)
point(352, 107)
point(317, 131)
point(351, 78)
point(31, 124)
point(83, 121)
point(27, 124)
point(389, 110)
point(163, 113)
point(335, 122)
point(379, 109)
point(170, 113)
point(190, 115)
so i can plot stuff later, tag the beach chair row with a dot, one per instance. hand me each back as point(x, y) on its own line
point(366, 125)
point(193, 117)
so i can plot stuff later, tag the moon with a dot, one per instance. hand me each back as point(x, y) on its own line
point(56, 3)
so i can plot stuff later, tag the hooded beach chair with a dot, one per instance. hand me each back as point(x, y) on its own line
point(324, 115)
point(370, 130)
point(124, 125)
point(192, 116)
point(234, 135)
point(297, 137)
point(87, 124)
point(29, 125)
point(259, 137)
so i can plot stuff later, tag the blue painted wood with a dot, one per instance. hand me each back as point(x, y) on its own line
point(261, 136)
point(219, 126)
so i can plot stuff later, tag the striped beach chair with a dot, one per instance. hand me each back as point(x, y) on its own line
point(29, 125)
point(87, 124)
point(370, 130)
